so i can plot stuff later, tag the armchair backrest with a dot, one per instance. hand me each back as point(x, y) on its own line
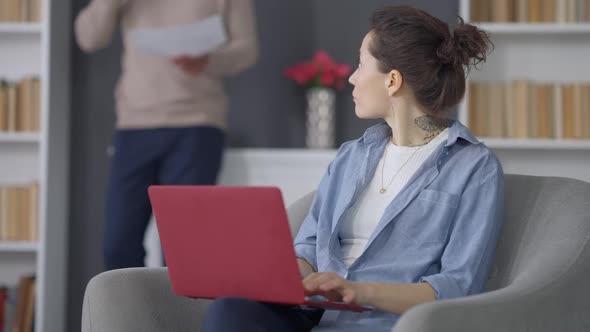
point(546, 229)
point(298, 211)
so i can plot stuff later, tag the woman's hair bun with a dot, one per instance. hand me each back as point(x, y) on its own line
point(467, 45)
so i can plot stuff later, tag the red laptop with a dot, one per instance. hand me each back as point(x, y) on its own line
point(230, 241)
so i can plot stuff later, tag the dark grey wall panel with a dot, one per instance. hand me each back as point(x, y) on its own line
point(265, 108)
point(93, 79)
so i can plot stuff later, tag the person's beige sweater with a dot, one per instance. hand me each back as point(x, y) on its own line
point(152, 91)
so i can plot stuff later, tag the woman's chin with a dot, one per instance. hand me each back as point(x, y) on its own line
point(359, 113)
point(363, 115)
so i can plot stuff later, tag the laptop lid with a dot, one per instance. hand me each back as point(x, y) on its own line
point(227, 241)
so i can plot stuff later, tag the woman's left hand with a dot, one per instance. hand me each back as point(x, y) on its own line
point(335, 288)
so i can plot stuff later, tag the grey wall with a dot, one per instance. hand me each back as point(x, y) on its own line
point(266, 109)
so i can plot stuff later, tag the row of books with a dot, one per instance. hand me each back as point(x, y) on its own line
point(19, 208)
point(532, 11)
point(20, 105)
point(20, 10)
point(527, 109)
point(17, 306)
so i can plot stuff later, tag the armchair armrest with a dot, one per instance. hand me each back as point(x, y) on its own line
point(138, 299)
point(553, 303)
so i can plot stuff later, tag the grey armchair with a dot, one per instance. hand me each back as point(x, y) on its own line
point(540, 280)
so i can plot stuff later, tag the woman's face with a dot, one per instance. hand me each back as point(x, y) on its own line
point(370, 92)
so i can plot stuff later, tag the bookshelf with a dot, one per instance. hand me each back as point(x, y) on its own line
point(19, 246)
point(19, 137)
point(544, 46)
point(535, 28)
point(563, 144)
point(37, 45)
point(20, 28)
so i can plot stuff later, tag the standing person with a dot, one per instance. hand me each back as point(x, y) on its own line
point(411, 211)
point(171, 113)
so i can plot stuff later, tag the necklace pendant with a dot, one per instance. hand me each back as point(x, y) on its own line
point(382, 191)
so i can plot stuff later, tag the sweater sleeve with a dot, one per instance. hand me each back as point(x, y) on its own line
point(96, 24)
point(241, 50)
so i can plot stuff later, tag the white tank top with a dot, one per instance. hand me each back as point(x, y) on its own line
point(362, 218)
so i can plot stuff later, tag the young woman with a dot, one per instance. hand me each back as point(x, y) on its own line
point(408, 213)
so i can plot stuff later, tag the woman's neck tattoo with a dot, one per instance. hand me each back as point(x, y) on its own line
point(432, 126)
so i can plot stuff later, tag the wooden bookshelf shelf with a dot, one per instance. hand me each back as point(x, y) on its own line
point(18, 27)
point(534, 28)
point(19, 137)
point(557, 144)
point(18, 246)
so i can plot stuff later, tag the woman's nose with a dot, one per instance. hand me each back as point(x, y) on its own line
point(351, 78)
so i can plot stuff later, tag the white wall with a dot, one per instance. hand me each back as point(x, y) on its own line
point(298, 171)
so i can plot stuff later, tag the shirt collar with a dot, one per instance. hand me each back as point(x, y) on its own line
point(458, 130)
point(382, 130)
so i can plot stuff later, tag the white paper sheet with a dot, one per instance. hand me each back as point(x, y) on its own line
point(193, 39)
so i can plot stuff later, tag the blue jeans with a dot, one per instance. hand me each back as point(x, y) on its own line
point(237, 314)
point(145, 157)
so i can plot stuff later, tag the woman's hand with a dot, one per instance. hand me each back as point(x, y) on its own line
point(336, 288)
point(191, 65)
point(304, 267)
point(391, 297)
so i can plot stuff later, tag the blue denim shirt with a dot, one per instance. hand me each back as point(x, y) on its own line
point(441, 228)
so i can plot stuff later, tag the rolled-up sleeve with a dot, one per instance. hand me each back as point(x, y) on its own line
point(241, 51)
point(305, 241)
point(467, 257)
point(95, 25)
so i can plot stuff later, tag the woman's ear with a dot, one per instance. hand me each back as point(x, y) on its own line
point(394, 82)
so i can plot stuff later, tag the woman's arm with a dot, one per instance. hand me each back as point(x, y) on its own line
point(305, 240)
point(242, 49)
point(397, 298)
point(467, 257)
point(304, 267)
point(96, 24)
point(390, 297)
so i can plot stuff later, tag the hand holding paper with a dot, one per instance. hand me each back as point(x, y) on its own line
point(191, 65)
point(193, 40)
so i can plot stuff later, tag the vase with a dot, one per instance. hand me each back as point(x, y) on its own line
point(320, 118)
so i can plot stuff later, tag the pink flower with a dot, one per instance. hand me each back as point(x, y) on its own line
point(321, 71)
point(343, 70)
point(323, 59)
point(301, 73)
point(309, 70)
point(328, 78)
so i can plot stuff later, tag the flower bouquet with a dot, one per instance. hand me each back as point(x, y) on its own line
point(321, 77)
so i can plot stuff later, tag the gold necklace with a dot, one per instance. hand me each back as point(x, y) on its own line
point(384, 188)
